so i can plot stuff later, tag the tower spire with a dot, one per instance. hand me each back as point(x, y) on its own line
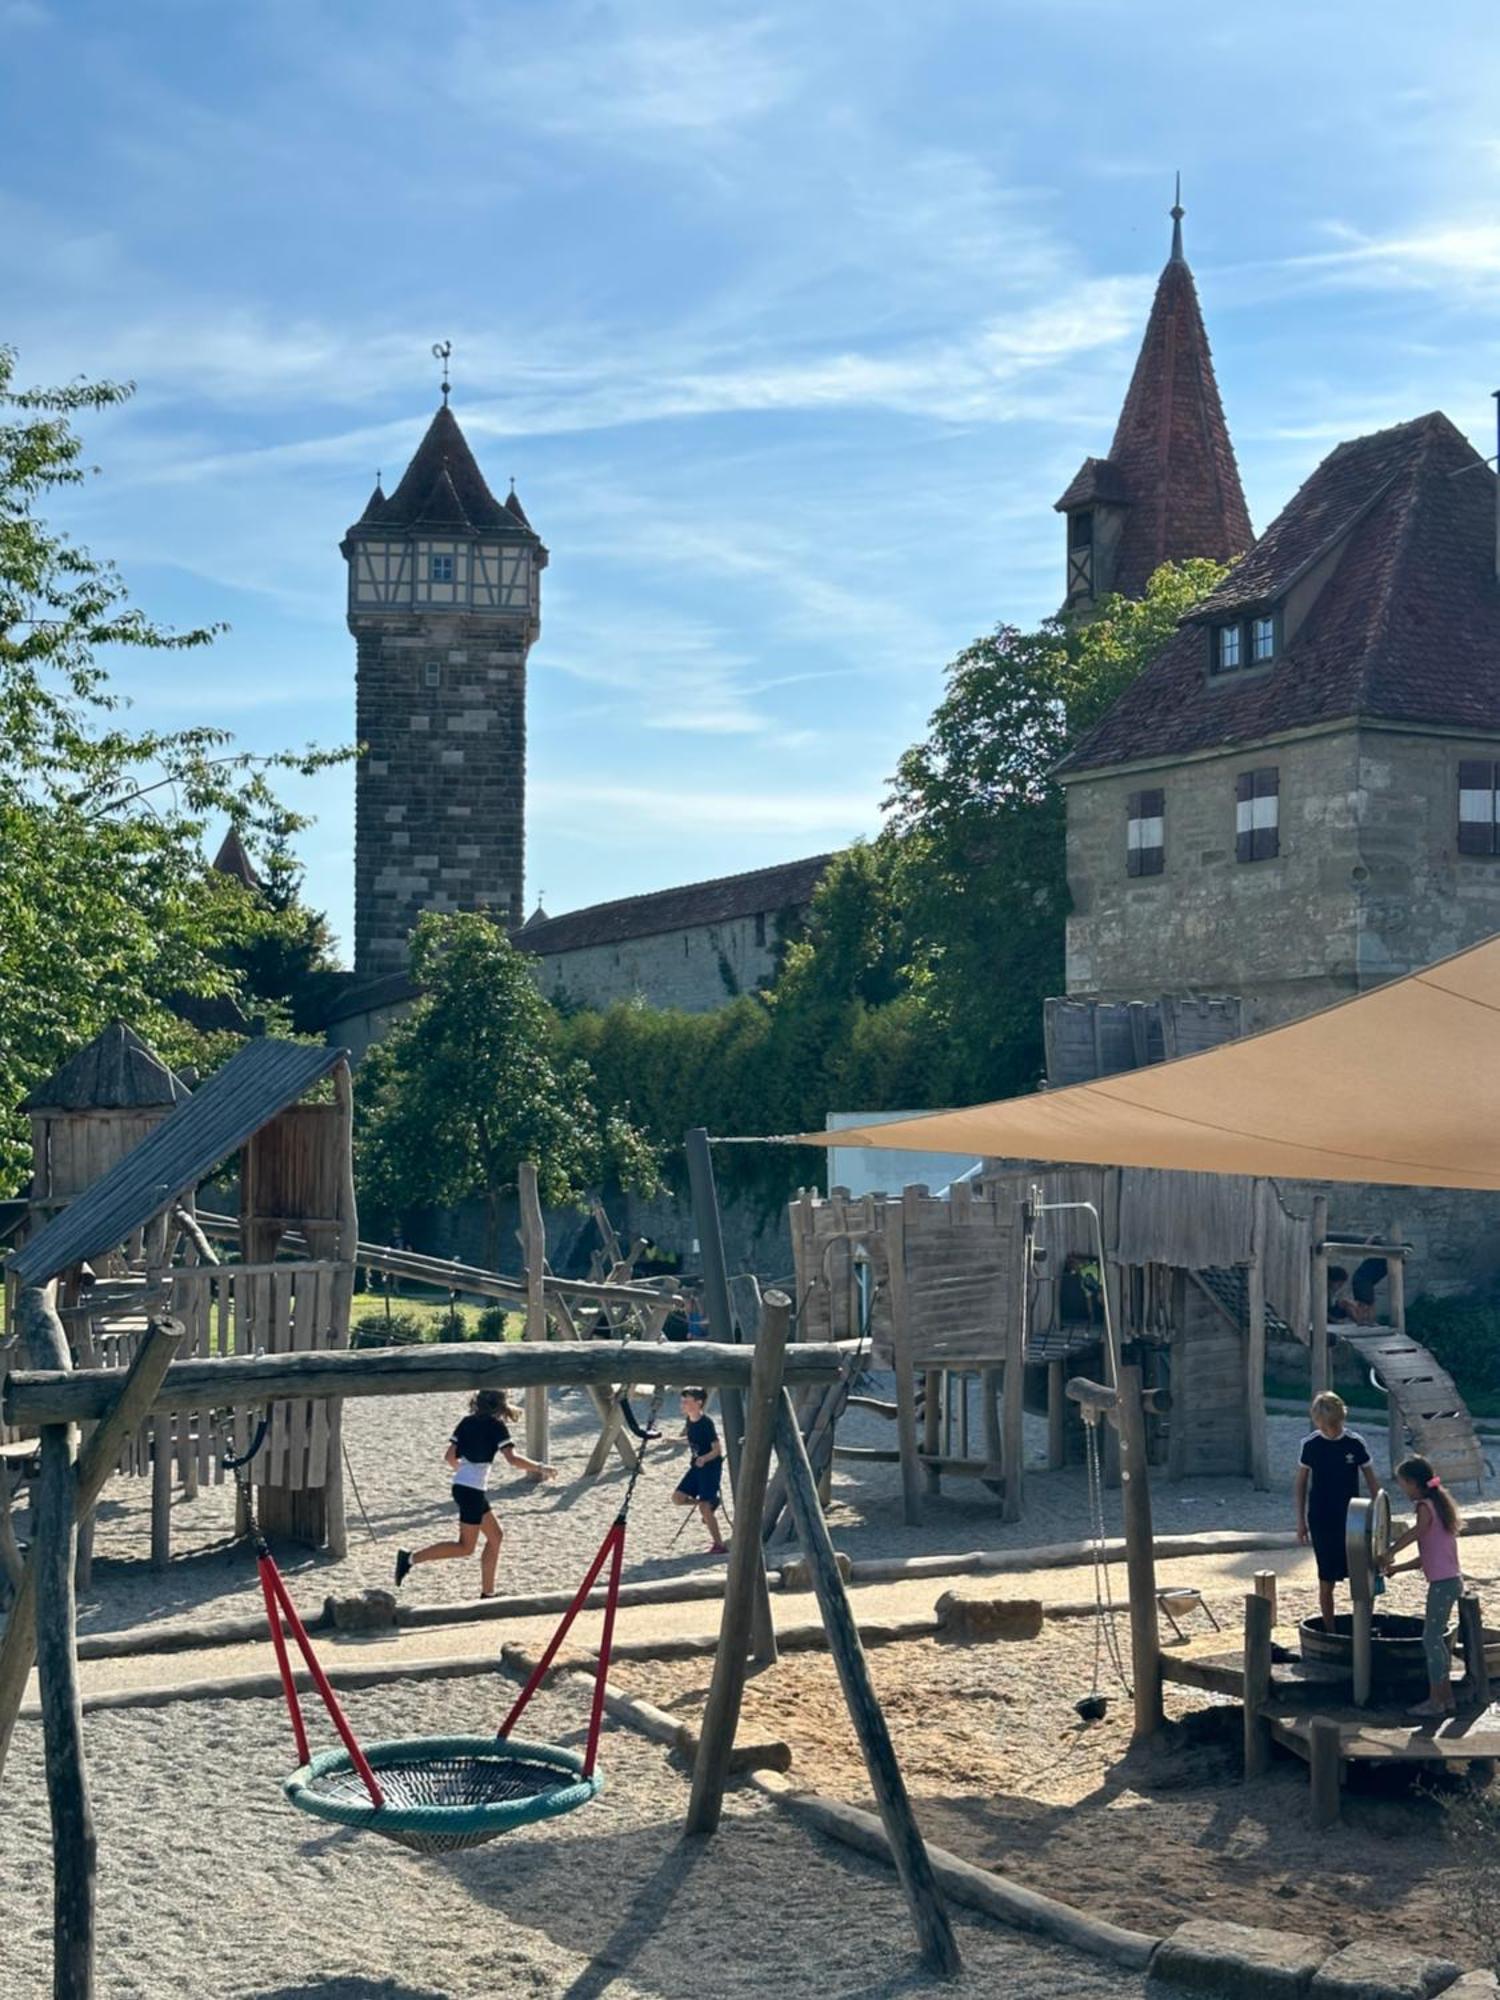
point(441, 350)
point(1177, 212)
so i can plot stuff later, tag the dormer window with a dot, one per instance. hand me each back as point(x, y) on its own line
point(1243, 643)
point(1228, 648)
point(1081, 553)
point(442, 569)
point(1262, 639)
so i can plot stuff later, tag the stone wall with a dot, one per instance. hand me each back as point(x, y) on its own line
point(440, 792)
point(696, 969)
point(1368, 882)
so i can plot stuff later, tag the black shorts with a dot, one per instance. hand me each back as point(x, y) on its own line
point(473, 1503)
point(1329, 1548)
point(702, 1482)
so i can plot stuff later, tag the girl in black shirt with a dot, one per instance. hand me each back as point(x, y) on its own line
point(699, 1485)
point(481, 1437)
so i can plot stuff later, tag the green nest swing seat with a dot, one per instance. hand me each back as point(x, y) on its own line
point(441, 1794)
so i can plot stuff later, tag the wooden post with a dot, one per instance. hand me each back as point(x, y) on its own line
point(335, 1515)
point(161, 1491)
point(1255, 1353)
point(1362, 1659)
point(1140, 1556)
point(901, 1359)
point(1057, 1417)
point(1013, 1444)
point(721, 1326)
point(721, 1713)
point(1325, 1767)
point(1471, 1637)
point(913, 1865)
point(1319, 1301)
point(1395, 1271)
point(534, 1251)
point(140, 1384)
point(1264, 1581)
point(996, 1444)
point(1114, 1335)
point(1257, 1685)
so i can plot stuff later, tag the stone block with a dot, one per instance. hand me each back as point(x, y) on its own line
point(1371, 1970)
point(797, 1574)
point(982, 1611)
point(1474, 1986)
point(368, 1611)
point(1237, 1961)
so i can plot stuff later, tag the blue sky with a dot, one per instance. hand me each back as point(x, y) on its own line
point(790, 321)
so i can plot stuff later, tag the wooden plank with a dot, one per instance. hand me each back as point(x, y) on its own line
point(726, 1691)
point(1140, 1557)
point(1257, 1685)
point(934, 1933)
point(1325, 1766)
point(74, 1843)
point(534, 1255)
point(1321, 1378)
point(315, 1312)
point(901, 1349)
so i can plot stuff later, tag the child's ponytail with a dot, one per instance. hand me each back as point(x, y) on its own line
point(1419, 1472)
point(494, 1403)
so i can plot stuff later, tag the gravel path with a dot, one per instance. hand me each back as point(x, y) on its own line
point(210, 1883)
point(395, 1448)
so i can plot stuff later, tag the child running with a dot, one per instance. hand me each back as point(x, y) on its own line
point(1327, 1480)
point(472, 1449)
point(1435, 1533)
point(699, 1485)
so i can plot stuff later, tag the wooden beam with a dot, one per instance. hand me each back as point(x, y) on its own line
point(1057, 1417)
point(1257, 1685)
point(901, 1357)
point(1140, 1557)
point(1325, 1766)
point(934, 1932)
point(75, 1849)
point(134, 1392)
point(1319, 1301)
point(1255, 1356)
point(34, 1397)
point(1471, 1637)
point(721, 1713)
point(1012, 1440)
point(534, 1252)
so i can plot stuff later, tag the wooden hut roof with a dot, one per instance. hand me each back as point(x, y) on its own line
point(262, 1079)
point(117, 1071)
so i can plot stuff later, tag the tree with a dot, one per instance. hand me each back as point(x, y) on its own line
point(283, 952)
point(107, 905)
point(978, 824)
point(474, 1081)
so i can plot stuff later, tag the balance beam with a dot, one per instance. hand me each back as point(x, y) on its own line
point(33, 1397)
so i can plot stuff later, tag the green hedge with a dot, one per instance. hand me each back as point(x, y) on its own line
point(1464, 1333)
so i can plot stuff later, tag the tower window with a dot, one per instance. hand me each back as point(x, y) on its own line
point(1081, 553)
point(1262, 639)
point(1145, 833)
point(432, 674)
point(760, 926)
point(1478, 822)
point(441, 569)
point(1228, 648)
point(1257, 816)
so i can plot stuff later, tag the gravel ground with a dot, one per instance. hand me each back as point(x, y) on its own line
point(395, 1449)
point(210, 1883)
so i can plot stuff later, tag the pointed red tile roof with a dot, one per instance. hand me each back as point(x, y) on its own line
point(232, 859)
point(1405, 629)
point(1171, 463)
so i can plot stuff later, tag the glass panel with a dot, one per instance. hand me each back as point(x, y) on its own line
point(1229, 647)
point(1478, 806)
point(1262, 638)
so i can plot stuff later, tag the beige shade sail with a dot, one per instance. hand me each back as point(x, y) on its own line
point(1400, 1085)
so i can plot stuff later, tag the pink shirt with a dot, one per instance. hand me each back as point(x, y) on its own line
point(1436, 1545)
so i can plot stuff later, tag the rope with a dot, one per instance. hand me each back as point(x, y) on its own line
point(359, 1498)
point(1106, 1634)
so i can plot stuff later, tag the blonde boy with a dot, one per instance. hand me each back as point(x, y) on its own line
point(1328, 1476)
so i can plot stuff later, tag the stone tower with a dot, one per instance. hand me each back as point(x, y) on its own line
point(1170, 488)
point(444, 604)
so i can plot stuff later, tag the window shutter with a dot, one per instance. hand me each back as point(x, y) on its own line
point(1476, 807)
point(1265, 840)
point(1133, 833)
point(1244, 836)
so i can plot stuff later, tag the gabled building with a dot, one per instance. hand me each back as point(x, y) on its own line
point(1297, 799)
point(1170, 488)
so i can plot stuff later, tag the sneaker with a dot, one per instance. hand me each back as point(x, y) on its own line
point(403, 1566)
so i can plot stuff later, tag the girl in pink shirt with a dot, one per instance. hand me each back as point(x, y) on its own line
point(1435, 1533)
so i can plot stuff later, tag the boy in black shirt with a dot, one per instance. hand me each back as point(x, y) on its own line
point(1327, 1480)
point(699, 1486)
point(481, 1437)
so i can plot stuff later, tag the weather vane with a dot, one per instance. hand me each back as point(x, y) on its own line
point(441, 349)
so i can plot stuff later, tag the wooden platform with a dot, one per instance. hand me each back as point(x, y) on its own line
point(1390, 1736)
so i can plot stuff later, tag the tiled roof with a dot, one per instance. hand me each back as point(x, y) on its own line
point(1405, 629)
point(116, 1071)
point(232, 859)
point(1171, 461)
point(760, 892)
point(443, 486)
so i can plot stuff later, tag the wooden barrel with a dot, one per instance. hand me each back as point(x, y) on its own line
point(1398, 1661)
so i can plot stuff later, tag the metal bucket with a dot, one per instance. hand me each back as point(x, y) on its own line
point(1398, 1662)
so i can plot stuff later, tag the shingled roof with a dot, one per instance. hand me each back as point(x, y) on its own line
point(443, 487)
point(116, 1071)
point(788, 886)
point(1171, 463)
point(1405, 628)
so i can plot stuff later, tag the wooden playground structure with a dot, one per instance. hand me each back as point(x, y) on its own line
point(1191, 1272)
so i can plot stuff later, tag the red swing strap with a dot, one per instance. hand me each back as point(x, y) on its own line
point(279, 1605)
point(611, 1550)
